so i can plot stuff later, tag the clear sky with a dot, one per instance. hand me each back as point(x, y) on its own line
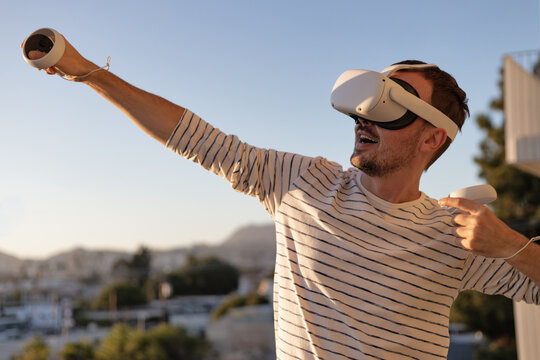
point(76, 172)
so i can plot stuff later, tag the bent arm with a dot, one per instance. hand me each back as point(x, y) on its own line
point(481, 232)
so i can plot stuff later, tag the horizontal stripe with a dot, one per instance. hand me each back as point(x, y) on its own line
point(357, 308)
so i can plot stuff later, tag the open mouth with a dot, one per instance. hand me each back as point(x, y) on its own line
point(367, 139)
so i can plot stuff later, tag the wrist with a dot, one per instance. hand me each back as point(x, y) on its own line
point(87, 67)
point(521, 243)
point(89, 72)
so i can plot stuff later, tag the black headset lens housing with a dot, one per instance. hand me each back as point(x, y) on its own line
point(407, 118)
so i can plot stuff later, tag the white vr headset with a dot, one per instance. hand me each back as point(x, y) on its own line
point(390, 103)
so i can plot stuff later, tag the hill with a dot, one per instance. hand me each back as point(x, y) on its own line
point(250, 248)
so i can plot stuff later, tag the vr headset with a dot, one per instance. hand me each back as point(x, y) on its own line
point(390, 103)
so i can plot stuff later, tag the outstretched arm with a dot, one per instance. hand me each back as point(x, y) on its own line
point(153, 114)
point(267, 174)
point(481, 232)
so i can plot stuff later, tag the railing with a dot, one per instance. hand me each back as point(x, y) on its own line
point(527, 59)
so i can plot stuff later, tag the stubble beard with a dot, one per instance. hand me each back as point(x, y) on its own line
point(385, 162)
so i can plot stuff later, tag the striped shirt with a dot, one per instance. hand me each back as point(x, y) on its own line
point(356, 277)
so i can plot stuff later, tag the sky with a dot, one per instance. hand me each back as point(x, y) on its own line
point(75, 172)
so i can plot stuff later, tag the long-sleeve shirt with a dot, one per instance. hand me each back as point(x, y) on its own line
point(356, 277)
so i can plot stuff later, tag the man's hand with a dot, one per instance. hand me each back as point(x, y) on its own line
point(481, 232)
point(71, 63)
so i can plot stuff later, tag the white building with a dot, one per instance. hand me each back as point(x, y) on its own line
point(522, 132)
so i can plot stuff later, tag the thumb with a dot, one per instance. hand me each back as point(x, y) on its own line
point(36, 54)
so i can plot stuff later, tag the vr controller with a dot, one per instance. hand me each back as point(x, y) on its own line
point(45, 40)
point(482, 194)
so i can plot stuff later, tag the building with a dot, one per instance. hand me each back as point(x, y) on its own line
point(522, 138)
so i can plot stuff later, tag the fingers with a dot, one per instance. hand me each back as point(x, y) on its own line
point(463, 233)
point(36, 54)
point(462, 204)
point(462, 219)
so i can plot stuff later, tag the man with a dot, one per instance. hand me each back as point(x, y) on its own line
point(367, 266)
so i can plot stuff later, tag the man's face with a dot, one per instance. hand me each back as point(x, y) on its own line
point(380, 152)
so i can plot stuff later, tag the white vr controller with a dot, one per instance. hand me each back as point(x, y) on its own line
point(45, 40)
point(482, 194)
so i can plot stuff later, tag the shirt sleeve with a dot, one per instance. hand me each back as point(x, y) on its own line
point(497, 277)
point(266, 174)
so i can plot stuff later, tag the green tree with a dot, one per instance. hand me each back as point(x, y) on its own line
point(114, 346)
point(492, 315)
point(204, 276)
point(164, 342)
point(34, 349)
point(119, 295)
point(140, 265)
point(78, 351)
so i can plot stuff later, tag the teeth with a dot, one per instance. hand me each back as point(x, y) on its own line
point(368, 138)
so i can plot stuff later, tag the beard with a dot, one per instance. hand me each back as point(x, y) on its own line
point(383, 162)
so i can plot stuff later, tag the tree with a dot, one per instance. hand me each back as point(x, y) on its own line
point(161, 343)
point(119, 295)
point(205, 276)
point(114, 346)
point(78, 351)
point(136, 270)
point(492, 315)
point(35, 349)
point(140, 265)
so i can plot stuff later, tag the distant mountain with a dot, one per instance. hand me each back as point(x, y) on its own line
point(250, 235)
point(81, 263)
point(250, 248)
point(10, 265)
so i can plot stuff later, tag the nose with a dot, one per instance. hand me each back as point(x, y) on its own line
point(362, 123)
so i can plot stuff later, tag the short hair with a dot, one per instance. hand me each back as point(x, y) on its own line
point(447, 96)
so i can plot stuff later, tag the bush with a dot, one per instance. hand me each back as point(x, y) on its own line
point(162, 343)
point(78, 351)
point(34, 349)
point(207, 276)
point(125, 293)
point(237, 301)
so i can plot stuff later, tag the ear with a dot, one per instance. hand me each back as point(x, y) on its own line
point(433, 139)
